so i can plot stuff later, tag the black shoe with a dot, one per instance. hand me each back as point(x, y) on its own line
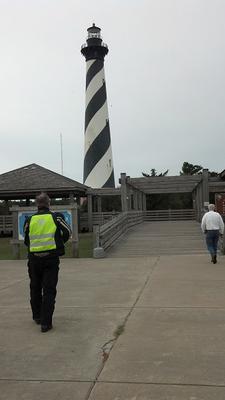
point(214, 259)
point(45, 328)
point(37, 320)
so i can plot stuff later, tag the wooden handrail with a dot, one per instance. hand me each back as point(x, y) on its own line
point(106, 235)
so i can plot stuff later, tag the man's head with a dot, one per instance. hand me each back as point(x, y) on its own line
point(42, 201)
point(211, 207)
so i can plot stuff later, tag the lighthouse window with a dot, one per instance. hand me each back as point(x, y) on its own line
point(94, 35)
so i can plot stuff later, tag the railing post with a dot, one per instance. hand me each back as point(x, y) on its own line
point(96, 240)
point(90, 212)
point(135, 200)
point(199, 201)
point(139, 201)
point(15, 240)
point(205, 186)
point(144, 202)
point(98, 251)
point(75, 237)
point(99, 204)
point(124, 196)
point(223, 245)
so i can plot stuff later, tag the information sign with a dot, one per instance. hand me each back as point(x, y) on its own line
point(22, 216)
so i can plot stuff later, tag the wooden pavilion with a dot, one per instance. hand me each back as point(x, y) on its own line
point(28, 181)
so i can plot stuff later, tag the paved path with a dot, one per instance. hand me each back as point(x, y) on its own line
point(151, 328)
point(158, 238)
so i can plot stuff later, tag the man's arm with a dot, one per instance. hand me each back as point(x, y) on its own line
point(26, 231)
point(64, 227)
point(203, 223)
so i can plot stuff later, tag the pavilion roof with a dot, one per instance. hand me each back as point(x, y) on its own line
point(27, 181)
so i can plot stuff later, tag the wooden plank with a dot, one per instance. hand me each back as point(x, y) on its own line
point(170, 184)
point(178, 178)
point(104, 192)
point(168, 190)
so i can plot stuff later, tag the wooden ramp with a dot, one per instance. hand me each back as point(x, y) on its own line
point(160, 238)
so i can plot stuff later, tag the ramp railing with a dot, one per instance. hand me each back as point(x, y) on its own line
point(170, 215)
point(106, 235)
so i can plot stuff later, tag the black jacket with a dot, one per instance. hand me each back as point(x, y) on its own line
point(62, 233)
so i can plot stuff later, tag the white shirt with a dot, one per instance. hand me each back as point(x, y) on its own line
point(212, 220)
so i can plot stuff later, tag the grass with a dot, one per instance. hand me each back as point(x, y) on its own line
point(85, 248)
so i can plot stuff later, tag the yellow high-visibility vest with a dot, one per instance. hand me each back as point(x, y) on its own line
point(42, 233)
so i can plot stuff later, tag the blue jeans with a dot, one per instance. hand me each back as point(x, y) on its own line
point(212, 238)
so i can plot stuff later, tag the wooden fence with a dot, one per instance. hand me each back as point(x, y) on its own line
point(98, 218)
point(170, 215)
point(104, 217)
point(6, 224)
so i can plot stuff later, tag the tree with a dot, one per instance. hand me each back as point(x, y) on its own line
point(213, 173)
point(164, 173)
point(154, 173)
point(190, 169)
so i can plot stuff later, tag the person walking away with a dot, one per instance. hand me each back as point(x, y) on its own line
point(213, 226)
point(44, 234)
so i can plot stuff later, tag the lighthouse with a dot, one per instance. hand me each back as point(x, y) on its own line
point(98, 162)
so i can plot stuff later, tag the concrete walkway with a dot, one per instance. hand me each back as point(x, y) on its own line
point(150, 328)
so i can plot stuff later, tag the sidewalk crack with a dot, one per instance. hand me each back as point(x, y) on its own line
point(108, 346)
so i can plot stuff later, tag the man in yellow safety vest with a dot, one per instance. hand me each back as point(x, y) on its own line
point(44, 234)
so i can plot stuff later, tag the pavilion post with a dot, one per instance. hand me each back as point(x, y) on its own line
point(75, 237)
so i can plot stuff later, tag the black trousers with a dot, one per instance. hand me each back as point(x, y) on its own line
point(43, 275)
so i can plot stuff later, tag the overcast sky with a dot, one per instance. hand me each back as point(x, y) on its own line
point(165, 78)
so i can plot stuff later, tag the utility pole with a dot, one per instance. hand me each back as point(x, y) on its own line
point(61, 152)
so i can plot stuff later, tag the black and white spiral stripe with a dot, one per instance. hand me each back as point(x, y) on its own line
point(98, 163)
